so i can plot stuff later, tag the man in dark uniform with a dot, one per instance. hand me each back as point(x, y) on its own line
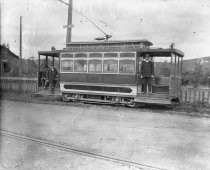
point(147, 73)
point(52, 76)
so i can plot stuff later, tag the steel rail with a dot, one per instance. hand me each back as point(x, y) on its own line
point(81, 152)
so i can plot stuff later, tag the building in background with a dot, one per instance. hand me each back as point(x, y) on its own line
point(9, 61)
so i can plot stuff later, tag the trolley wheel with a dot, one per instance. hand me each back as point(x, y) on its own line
point(64, 96)
point(136, 105)
point(131, 103)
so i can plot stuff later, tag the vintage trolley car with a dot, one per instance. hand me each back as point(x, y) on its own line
point(108, 71)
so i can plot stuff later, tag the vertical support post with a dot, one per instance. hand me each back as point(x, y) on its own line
point(185, 96)
point(53, 60)
point(175, 66)
point(203, 98)
point(181, 65)
point(180, 69)
point(171, 74)
point(46, 60)
point(39, 63)
point(59, 66)
point(199, 97)
point(194, 98)
point(176, 75)
point(178, 65)
point(69, 22)
point(20, 55)
point(38, 74)
point(181, 95)
point(176, 83)
point(190, 96)
point(208, 97)
point(171, 64)
point(0, 27)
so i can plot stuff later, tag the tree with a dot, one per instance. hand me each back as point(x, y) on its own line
point(29, 67)
point(206, 78)
point(197, 75)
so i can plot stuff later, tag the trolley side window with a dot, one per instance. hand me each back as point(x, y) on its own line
point(80, 66)
point(80, 55)
point(93, 55)
point(110, 55)
point(95, 66)
point(67, 65)
point(66, 55)
point(124, 55)
point(110, 66)
point(127, 66)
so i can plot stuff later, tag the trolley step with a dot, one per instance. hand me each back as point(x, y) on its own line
point(152, 100)
point(153, 95)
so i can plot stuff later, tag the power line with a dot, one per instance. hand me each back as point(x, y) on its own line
point(84, 17)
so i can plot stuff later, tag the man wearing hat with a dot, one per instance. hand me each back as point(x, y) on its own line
point(147, 73)
point(52, 76)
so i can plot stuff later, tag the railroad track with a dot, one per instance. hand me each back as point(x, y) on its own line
point(77, 151)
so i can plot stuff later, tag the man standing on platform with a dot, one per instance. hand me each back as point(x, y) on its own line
point(52, 77)
point(147, 73)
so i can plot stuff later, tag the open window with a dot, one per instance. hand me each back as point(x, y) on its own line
point(5, 67)
point(80, 65)
point(162, 66)
point(110, 66)
point(95, 66)
point(162, 72)
point(127, 66)
point(67, 65)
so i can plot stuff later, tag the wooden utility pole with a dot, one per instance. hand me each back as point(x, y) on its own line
point(69, 22)
point(0, 22)
point(20, 59)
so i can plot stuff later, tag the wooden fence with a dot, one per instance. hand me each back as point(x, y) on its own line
point(193, 95)
point(20, 84)
point(26, 84)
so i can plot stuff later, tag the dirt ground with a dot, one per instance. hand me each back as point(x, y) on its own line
point(21, 155)
point(151, 138)
point(187, 109)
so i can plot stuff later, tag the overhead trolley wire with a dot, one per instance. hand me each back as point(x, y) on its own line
point(84, 17)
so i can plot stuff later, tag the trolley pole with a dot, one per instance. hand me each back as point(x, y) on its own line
point(20, 59)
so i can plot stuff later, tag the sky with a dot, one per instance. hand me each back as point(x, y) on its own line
point(185, 23)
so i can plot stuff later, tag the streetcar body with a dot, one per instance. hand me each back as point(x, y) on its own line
point(108, 71)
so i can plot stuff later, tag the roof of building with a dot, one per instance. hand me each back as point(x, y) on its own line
point(8, 51)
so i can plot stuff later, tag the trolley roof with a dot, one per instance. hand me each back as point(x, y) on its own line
point(109, 44)
point(161, 52)
point(54, 53)
point(145, 41)
point(141, 46)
